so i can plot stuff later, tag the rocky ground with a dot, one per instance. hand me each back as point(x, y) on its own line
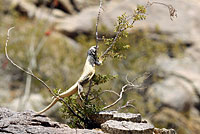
point(178, 91)
point(111, 122)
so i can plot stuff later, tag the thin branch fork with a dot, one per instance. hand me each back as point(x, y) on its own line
point(124, 89)
point(130, 85)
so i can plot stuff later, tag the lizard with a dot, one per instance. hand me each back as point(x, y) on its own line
point(87, 74)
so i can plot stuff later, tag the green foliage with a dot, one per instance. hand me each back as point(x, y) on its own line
point(100, 79)
point(124, 22)
point(140, 13)
point(83, 109)
point(86, 108)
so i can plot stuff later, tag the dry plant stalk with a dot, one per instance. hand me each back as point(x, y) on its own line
point(29, 72)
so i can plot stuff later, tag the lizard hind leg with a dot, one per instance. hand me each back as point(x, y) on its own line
point(80, 91)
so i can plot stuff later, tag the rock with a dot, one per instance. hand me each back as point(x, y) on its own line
point(68, 41)
point(183, 124)
point(127, 117)
point(31, 10)
point(157, 16)
point(164, 131)
point(102, 117)
point(68, 6)
point(71, 25)
point(174, 92)
point(126, 127)
point(88, 16)
point(114, 115)
point(84, 4)
point(184, 74)
point(27, 122)
point(58, 13)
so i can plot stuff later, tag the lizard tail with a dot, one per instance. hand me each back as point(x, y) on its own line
point(67, 93)
point(48, 107)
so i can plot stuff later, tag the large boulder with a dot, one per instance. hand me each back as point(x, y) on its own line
point(158, 15)
point(181, 86)
point(183, 124)
point(185, 27)
point(175, 93)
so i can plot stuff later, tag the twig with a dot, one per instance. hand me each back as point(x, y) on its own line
point(144, 74)
point(110, 91)
point(127, 79)
point(130, 85)
point(128, 104)
point(172, 10)
point(97, 41)
point(97, 23)
point(25, 71)
point(120, 97)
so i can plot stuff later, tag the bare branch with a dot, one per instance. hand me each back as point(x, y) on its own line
point(110, 91)
point(97, 23)
point(25, 71)
point(128, 104)
point(146, 75)
point(127, 79)
point(120, 97)
point(130, 85)
point(172, 10)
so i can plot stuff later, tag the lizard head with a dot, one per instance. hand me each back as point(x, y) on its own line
point(92, 51)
